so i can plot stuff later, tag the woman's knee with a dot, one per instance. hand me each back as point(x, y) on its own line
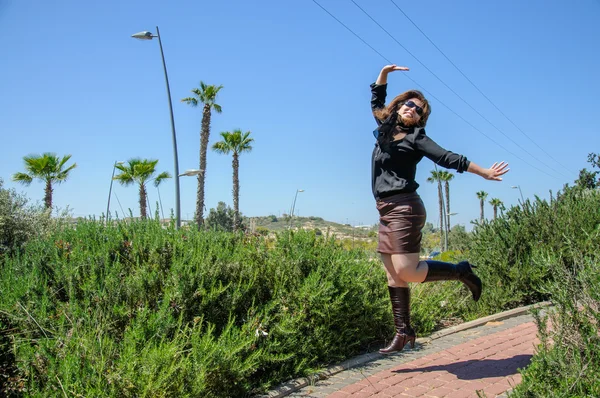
point(406, 267)
point(395, 280)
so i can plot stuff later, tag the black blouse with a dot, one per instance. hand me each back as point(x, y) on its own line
point(394, 163)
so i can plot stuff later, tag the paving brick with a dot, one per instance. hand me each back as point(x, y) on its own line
point(432, 383)
point(461, 394)
point(394, 391)
point(439, 392)
point(496, 388)
point(417, 391)
point(352, 388)
point(362, 394)
point(447, 377)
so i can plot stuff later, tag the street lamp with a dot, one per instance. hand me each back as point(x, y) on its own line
point(149, 36)
point(110, 189)
point(294, 205)
point(519, 188)
point(191, 173)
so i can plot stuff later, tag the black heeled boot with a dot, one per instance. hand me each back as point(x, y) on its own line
point(440, 271)
point(400, 298)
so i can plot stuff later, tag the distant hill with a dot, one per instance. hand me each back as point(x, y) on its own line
point(276, 224)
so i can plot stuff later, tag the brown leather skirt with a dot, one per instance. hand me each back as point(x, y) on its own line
point(401, 218)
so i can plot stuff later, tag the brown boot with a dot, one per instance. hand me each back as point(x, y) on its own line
point(400, 297)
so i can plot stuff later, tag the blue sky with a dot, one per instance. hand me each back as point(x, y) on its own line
point(74, 82)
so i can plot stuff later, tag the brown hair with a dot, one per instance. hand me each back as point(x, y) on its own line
point(392, 108)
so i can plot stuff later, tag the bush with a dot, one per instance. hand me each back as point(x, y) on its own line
point(139, 310)
point(19, 221)
point(508, 248)
point(567, 362)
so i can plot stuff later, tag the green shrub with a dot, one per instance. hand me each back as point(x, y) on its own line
point(131, 310)
point(139, 310)
point(19, 221)
point(507, 250)
point(567, 362)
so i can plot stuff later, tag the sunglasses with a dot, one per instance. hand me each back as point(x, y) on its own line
point(418, 109)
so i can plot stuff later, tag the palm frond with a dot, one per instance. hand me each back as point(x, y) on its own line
point(22, 178)
point(446, 175)
point(64, 160)
point(435, 176)
point(221, 147)
point(124, 179)
point(190, 101)
point(162, 176)
point(62, 175)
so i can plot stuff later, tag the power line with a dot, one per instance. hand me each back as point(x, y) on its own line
point(351, 31)
point(452, 90)
point(477, 88)
point(431, 95)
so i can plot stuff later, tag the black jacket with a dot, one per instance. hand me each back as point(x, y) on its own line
point(394, 163)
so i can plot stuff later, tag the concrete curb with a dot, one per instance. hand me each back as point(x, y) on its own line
point(297, 384)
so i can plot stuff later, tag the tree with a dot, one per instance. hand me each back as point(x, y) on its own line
point(428, 228)
point(221, 218)
point(496, 203)
point(594, 159)
point(48, 168)
point(481, 195)
point(587, 179)
point(459, 238)
point(140, 171)
point(446, 177)
point(206, 95)
point(437, 176)
point(237, 143)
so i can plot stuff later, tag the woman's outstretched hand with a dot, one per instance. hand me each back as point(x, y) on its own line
point(496, 171)
point(392, 68)
point(382, 78)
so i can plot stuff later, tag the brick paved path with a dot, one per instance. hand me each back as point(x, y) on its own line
point(486, 358)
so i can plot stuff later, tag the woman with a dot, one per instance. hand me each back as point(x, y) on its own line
point(401, 144)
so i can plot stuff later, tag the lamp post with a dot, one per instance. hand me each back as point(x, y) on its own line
point(190, 173)
point(149, 36)
point(294, 205)
point(110, 190)
point(519, 188)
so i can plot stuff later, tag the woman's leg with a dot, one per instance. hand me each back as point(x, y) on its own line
point(403, 268)
point(399, 270)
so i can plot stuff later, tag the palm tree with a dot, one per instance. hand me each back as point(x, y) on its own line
point(481, 195)
point(206, 95)
point(46, 167)
point(447, 177)
point(140, 171)
point(437, 176)
point(495, 202)
point(237, 143)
